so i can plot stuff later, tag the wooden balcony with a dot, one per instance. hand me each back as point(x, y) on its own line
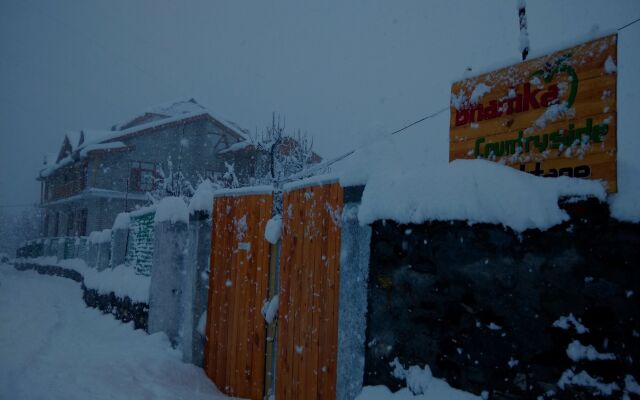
point(64, 190)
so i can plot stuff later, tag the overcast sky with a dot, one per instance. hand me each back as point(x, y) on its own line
point(343, 71)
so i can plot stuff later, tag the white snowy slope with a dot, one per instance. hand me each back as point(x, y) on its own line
point(53, 347)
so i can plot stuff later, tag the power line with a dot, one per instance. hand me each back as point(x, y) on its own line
point(327, 164)
point(18, 205)
point(420, 120)
point(629, 24)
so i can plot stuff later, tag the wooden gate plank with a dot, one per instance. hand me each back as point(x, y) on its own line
point(261, 292)
point(283, 307)
point(334, 272)
point(306, 269)
point(309, 274)
point(220, 274)
point(296, 286)
point(235, 347)
point(315, 284)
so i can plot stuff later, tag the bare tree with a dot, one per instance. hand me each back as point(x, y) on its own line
point(18, 226)
point(287, 153)
point(171, 182)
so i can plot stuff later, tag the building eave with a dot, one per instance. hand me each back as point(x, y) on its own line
point(98, 193)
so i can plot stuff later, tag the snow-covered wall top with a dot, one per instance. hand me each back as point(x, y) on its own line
point(171, 209)
point(122, 221)
point(244, 191)
point(142, 211)
point(98, 237)
point(471, 190)
point(312, 181)
point(202, 199)
point(121, 280)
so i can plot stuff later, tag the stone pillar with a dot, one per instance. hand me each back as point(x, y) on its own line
point(60, 247)
point(167, 275)
point(92, 254)
point(118, 246)
point(81, 249)
point(104, 255)
point(352, 308)
point(195, 288)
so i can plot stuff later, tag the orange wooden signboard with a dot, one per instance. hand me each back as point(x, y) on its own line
point(309, 285)
point(550, 116)
point(238, 284)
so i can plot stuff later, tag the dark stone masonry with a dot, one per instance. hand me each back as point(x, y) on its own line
point(477, 303)
point(123, 309)
point(52, 270)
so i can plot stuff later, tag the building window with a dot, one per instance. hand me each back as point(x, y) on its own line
point(142, 177)
point(45, 229)
point(70, 223)
point(56, 224)
point(82, 222)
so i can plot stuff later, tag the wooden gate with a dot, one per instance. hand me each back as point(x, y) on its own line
point(238, 283)
point(309, 280)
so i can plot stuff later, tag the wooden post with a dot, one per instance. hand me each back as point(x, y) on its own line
point(524, 34)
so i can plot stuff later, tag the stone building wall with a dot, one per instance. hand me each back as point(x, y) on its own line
point(478, 303)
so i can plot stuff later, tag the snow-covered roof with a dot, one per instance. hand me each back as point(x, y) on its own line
point(93, 135)
point(173, 111)
point(236, 147)
point(161, 111)
point(74, 139)
point(79, 152)
point(101, 146)
point(49, 159)
point(86, 140)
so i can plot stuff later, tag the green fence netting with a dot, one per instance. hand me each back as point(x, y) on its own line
point(140, 243)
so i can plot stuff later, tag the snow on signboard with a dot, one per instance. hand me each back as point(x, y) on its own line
point(550, 116)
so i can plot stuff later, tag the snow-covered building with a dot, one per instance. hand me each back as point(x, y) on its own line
point(98, 174)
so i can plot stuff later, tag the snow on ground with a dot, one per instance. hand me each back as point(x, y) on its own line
point(439, 390)
point(54, 347)
point(421, 385)
point(122, 280)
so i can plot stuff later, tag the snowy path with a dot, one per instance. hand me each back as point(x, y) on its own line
point(53, 347)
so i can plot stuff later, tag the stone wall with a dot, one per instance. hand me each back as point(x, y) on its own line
point(52, 270)
point(195, 288)
point(352, 306)
point(477, 303)
point(167, 279)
